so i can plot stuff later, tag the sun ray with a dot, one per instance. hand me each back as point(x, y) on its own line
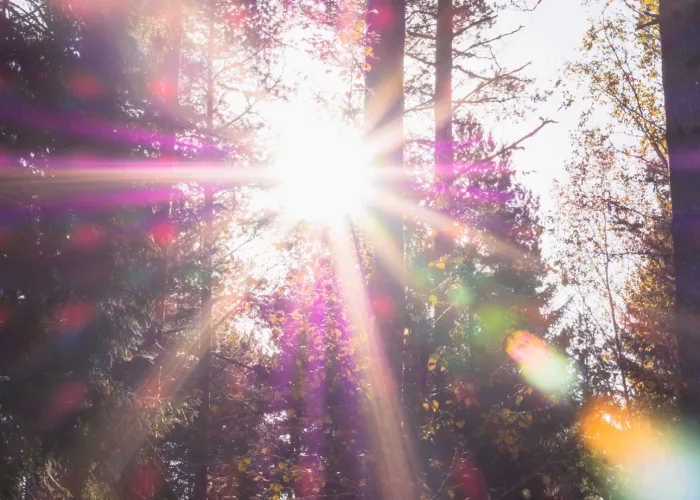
point(396, 459)
point(456, 229)
point(386, 250)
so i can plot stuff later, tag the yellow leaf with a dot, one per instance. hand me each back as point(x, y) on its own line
point(282, 465)
point(440, 265)
point(266, 451)
point(435, 405)
point(432, 299)
point(432, 363)
point(426, 406)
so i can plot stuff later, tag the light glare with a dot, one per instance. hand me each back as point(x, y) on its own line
point(323, 172)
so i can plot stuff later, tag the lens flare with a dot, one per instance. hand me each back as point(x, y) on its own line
point(653, 461)
point(73, 317)
point(64, 400)
point(541, 366)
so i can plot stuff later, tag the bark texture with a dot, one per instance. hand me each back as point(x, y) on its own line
point(680, 46)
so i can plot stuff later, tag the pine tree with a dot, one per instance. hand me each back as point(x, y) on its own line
point(82, 306)
point(679, 46)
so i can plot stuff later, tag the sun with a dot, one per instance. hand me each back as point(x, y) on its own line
point(322, 170)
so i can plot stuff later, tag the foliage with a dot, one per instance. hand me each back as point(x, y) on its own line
point(164, 336)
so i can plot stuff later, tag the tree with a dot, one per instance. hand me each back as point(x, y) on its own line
point(384, 121)
point(679, 46)
point(473, 190)
point(620, 189)
point(150, 351)
point(613, 227)
point(76, 326)
point(383, 116)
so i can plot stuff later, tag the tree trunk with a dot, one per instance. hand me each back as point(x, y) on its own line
point(201, 480)
point(680, 48)
point(444, 153)
point(445, 314)
point(444, 158)
point(384, 108)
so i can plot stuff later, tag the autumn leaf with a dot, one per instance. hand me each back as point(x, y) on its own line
point(432, 363)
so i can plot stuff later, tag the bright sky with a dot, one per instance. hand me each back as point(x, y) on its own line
point(552, 35)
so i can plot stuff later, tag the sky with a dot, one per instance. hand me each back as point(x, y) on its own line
point(552, 35)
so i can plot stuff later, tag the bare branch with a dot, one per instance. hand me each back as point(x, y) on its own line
point(516, 145)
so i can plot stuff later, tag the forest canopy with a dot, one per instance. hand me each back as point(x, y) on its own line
point(294, 249)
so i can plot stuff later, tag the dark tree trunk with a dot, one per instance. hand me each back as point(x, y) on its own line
point(444, 156)
point(201, 478)
point(384, 107)
point(445, 316)
point(680, 46)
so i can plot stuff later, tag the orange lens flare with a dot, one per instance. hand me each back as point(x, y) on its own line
point(541, 366)
point(652, 460)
